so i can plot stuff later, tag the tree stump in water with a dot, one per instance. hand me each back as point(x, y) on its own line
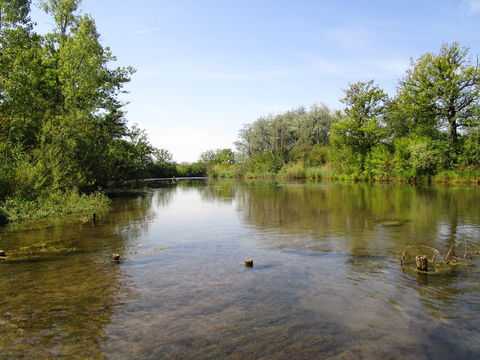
point(116, 257)
point(248, 263)
point(2, 253)
point(422, 262)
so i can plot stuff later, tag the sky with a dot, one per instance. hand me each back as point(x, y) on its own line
point(207, 67)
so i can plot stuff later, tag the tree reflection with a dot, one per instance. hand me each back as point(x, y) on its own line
point(359, 218)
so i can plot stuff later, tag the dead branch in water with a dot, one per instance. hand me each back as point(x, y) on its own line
point(436, 259)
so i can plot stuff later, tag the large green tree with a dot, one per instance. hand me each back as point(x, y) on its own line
point(62, 123)
point(361, 127)
point(440, 92)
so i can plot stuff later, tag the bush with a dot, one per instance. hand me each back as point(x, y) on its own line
point(196, 169)
point(466, 174)
point(471, 150)
point(344, 161)
point(222, 171)
point(314, 173)
point(418, 156)
point(379, 163)
point(52, 204)
point(296, 171)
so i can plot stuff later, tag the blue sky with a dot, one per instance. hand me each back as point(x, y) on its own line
point(206, 67)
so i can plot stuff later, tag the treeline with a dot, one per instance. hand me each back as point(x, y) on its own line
point(429, 130)
point(62, 123)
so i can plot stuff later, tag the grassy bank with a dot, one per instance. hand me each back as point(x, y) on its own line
point(51, 204)
point(469, 175)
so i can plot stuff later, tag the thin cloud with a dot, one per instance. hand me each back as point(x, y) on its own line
point(355, 68)
point(349, 37)
point(318, 67)
point(472, 6)
point(143, 31)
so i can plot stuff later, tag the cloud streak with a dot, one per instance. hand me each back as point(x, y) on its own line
point(320, 67)
point(143, 32)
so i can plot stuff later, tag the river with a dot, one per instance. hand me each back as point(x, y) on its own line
point(326, 283)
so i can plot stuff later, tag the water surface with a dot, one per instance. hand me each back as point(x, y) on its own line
point(326, 282)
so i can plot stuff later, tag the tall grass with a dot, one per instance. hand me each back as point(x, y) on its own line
point(52, 204)
point(470, 174)
point(314, 173)
point(295, 171)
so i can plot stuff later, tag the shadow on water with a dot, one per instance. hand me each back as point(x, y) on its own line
point(326, 280)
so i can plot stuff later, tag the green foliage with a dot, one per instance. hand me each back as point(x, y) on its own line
point(63, 13)
point(440, 93)
point(62, 125)
point(216, 160)
point(163, 165)
point(344, 160)
point(276, 140)
point(310, 155)
point(223, 171)
point(314, 173)
point(425, 157)
point(196, 169)
point(471, 148)
point(295, 171)
point(417, 156)
point(379, 163)
point(360, 130)
point(51, 204)
point(430, 129)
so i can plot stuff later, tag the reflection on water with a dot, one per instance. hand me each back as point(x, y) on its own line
point(326, 282)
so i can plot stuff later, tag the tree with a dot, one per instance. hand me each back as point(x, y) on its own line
point(360, 129)
point(14, 13)
point(314, 126)
point(217, 157)
point(61, 121)
point(63, 12)
point(440, 91)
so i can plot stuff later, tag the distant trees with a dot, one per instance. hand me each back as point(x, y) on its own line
point(217, 156)
point(273, 141)
point(432, 124)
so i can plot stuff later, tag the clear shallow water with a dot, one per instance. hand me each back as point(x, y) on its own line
point(326, 282)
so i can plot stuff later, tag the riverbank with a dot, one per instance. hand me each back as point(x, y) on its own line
point(470, 175)
point(51, 204)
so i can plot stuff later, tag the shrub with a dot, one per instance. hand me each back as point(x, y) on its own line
point(222, 171)
point(314, 173)
point(379, 163)
point(296, 171)
point(50, 204)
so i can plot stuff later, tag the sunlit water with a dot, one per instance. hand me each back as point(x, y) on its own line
point(326, 282)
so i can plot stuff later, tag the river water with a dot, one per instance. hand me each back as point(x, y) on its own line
point(327, 282)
